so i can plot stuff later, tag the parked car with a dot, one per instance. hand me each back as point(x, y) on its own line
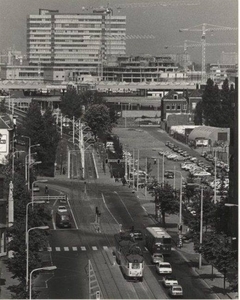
point(157, 258)
point(169, 281)
point(164, 268)
point(176, 290)
point(137, 234)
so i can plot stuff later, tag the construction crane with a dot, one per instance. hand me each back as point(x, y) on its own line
point(196, 44)
point(204, 28)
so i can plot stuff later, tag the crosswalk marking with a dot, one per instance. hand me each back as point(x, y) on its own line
point(74, 248)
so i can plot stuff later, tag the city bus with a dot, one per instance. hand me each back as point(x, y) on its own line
point(158, 241)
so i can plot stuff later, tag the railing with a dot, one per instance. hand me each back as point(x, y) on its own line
point(48, 198)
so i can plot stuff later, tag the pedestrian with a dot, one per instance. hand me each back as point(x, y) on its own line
point(46, 189)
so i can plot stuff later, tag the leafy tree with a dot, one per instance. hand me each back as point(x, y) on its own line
point(165, 196)
point(61, 154)
point(3, 107)
point(71, 103)
point(92, 98)
point(98, 119)
point(113, 115)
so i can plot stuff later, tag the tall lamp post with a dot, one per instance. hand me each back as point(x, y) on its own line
point(27, 250)
point(201, 225)
point(29, 162)
point(50, 268)
point(13, 155)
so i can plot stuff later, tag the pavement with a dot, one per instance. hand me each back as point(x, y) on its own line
point(211, 277)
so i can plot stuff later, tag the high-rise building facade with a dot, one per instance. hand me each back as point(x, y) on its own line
point(74, 41)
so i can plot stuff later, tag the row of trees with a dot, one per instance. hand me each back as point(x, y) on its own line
point(215, 108)
point(217, 243)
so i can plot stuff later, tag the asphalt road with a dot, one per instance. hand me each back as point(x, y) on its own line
point(72, 250)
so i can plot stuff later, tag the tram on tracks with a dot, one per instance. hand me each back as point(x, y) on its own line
point(129, 256)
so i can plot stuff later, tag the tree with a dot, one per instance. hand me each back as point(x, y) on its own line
point(91, 98)
point(165, 196)
point(98, 119)
point(2, 106)
point(71, 103)
point(198, 114)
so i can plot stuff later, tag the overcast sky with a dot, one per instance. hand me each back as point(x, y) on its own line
point(161, 21)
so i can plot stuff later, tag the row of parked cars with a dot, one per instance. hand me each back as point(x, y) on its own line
point(170, 281)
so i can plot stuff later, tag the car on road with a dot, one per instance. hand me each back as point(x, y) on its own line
point(157, 258)
point(62, 209)
point(169, 174)
point(164, 268)
point(176, 291)
point(169, 281)
point(137, 234)
point(36, 188)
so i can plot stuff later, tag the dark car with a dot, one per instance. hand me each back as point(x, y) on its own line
point(169, 174)
point(137, 234)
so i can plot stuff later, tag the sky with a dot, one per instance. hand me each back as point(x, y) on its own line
point(147, 17)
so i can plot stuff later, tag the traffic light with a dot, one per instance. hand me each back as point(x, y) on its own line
point(106, 160)
point(118, 161)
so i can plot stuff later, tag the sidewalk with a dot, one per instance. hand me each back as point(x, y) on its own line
point(214, 282)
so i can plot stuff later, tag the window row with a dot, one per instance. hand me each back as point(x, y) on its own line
point(176, 107)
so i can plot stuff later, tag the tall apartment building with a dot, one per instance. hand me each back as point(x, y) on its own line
point(81, 41)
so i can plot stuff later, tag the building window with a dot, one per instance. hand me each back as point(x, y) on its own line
point(173, 106)
point(178, 107)
point(175, 96)
point(168, 107)
point(184, 106)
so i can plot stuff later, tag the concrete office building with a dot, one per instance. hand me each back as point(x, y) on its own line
point(81, 41)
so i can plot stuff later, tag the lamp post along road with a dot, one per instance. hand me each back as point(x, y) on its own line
point(50, 268)
point(27, 249)
point(201, 230)
point(29, 162)
point(41, 180)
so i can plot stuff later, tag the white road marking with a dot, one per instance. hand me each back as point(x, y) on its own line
point(143, 207)
point(105, 247)
point(94, 248)
point(124, 205)
point(109, 210)
point(83, 248)
point(57, 249)
point(49, 249)
point(66, 248)
point(74, 248)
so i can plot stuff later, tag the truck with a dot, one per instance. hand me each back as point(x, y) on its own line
point(158, 241)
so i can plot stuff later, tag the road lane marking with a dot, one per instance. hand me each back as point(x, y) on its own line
point(57, 249)
point(74, 248)
point(124, 205)
point(72, 214)
point(105, 247)
point(109, 209)
point(49, 249)
point(143, 207)
point(94, 248)
point(66, 248)
point(53, 221)
point(83, 248)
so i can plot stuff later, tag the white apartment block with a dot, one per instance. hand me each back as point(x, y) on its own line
point(81, 41)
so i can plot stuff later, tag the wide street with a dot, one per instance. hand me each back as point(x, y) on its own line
point(85, 245)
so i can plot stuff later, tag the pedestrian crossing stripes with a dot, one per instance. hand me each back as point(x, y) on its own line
point(74, 248)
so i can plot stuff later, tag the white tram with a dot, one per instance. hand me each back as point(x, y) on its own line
point(129, 256)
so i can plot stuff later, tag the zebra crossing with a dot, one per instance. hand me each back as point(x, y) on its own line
point(73, 248)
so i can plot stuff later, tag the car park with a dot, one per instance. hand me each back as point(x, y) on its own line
point(157, 258)
point(176, 291)
point(169, 281)
point(163, 268)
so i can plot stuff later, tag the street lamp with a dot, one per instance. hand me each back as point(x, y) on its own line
point(29, 160)
point(13, 154)
point(180, 198)
point(27, 248)
point(201, 225)
point(40, 180)
point(26, 166)
point(50, 268)
point(29, 166)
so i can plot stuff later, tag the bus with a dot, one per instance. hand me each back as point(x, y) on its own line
point(158, 241)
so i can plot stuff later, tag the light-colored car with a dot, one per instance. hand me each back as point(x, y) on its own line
point(169, 281)
point(36, 188)
point(62, 209)
point(164, 268)
point(157, 258)
point(176, 290)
